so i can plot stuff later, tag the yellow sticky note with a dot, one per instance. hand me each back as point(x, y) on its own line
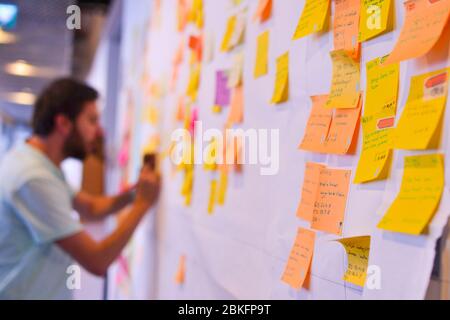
point(346, 27)
point(216, 109)
point(194, 82)
point(211, 153)
point(419, 196)
point(187, 116)
point(424, 22)
point(152, 115)
point(357, 249)
point(186, 189)
point(309, 190)
point(197, 5)
point(318, 125)
point(188, 199)
point(187, 183)
point(237, 37)
point(313, 19)
point(212, 196)
point(196, 13)
point(192, 58)
point(378, 121)
point(281, 91)
point(419, 127)
point(262, 55)
point(375, 19)
point(298, 265)
point(223, 184)
point(209, 47)
point(429, 86)
point(230, 29)
point(235, 76)
point(329, 207)
point(345, 84)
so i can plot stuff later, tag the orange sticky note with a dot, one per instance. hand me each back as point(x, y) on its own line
point(179, 116)
point(309, 190)
point(329, 208)
point(180, 275)
point(236, 106)
point(182, 15)
point(318, 125)
point(424, 22)
point(233, 153)
point(179, 54)
point(156, 15)
point(231, 149)
point(299, 263)
point(264, 10)
point(346, 27)
point(343, 132)
point(174, 77)
point(196, 45)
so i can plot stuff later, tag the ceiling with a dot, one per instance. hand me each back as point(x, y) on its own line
point(43, 41)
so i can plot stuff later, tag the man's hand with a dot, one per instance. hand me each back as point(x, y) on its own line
point(147, 188)
point(96, 257)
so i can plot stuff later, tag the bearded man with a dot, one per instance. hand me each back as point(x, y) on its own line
point(40, 230)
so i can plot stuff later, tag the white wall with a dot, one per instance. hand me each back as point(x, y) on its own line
point(240, 252)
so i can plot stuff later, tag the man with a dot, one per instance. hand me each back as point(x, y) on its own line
point(39, 234)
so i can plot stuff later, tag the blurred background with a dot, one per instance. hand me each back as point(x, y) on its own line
point(36, 47)
point(30, 33)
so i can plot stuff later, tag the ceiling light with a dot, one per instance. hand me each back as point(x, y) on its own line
point(22, 98)
point(22, 68)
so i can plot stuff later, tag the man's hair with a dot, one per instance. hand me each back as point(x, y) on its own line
point(62, 97)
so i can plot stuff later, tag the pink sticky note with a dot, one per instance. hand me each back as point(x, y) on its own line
point(222, 90)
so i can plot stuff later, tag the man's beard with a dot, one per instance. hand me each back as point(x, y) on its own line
point(74, 146)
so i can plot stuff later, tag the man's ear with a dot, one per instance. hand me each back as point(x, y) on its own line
point(63, 125)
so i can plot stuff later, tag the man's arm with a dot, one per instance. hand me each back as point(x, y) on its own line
point(95, 208)
point(96, 257)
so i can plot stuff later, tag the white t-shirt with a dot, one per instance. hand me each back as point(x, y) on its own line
point(35, 211)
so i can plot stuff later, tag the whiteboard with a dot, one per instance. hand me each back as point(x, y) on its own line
point(241, 250)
